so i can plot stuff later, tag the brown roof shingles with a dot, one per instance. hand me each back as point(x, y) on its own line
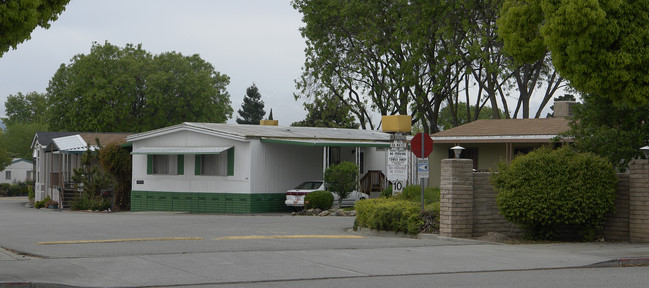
point(505, 130)
point(104, 138)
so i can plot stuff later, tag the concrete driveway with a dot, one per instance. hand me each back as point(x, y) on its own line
point(128, 249)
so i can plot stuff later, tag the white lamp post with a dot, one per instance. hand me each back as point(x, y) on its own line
point(458, 150)
point(645, 150)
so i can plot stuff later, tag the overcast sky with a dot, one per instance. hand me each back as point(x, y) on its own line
point(252, 41)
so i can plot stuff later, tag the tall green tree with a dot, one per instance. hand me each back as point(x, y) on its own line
point(29, 108)
point(378, 56)
point(117, 161)
point(114, 89)
point(5, 156)
point(449, 118)
point(327, 112)
point(599, 46)
point(252, 109)
point(18, 18)
point(17, 138)
point(613, 132)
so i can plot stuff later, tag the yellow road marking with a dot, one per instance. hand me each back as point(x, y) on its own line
point(289, 236)
point(13, 199)
point(117, 240)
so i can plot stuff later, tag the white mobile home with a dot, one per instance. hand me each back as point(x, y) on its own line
point(221, 168)
point(20, 170)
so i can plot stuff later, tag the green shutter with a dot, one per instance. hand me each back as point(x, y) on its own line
point(231, 161)
point(197, 165)
point(149, 164)
point(181, 164)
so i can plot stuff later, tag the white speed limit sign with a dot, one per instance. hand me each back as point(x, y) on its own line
point(397, 186)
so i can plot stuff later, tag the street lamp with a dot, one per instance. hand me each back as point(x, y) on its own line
point(458, 150)
point(645, 150)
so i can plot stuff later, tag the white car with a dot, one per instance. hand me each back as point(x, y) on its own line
point(295, 196)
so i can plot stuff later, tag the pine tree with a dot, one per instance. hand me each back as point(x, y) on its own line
point(252, 109)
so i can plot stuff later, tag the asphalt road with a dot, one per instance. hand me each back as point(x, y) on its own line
point(159, 249)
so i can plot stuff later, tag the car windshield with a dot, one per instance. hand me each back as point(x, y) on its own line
point(309, 185)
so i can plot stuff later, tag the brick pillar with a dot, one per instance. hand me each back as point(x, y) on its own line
point(456, 205)
point(639, 201)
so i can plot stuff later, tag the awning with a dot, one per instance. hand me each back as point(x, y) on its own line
point(326, 142)
point(179, 150)
point(72, 144)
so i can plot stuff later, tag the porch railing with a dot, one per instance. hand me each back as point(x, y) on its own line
point(373, 181)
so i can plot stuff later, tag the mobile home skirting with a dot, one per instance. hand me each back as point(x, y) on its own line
point(195, 202)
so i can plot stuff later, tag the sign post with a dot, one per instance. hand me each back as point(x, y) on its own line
point(397, 162)
point(421, 145)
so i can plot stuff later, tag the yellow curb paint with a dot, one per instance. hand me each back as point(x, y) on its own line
point(289, 236)
point(117, 240)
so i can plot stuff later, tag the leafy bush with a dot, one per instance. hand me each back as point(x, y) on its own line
point(319, 199)
point(42, 203)
point(413, 193)
point(548, 188)
point(398, 215)
point(387, 192)
point(4, 189)
point(88, 201)
point(18, 189)
point(31, 193)
point(342, 179)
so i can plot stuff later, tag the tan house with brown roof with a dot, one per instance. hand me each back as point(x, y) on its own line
point(489, 141)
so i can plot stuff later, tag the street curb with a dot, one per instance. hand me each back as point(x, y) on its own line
point(621, 262)
point(33, 285)
point(380, 233)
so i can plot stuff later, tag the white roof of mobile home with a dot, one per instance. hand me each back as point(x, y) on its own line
point(312, 136)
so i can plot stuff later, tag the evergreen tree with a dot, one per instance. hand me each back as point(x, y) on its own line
point(252, 109)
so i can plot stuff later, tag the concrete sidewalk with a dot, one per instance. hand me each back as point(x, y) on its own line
point(256, 266)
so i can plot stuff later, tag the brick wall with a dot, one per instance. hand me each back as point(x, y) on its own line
point(468, 204)
point(639, 201)
point(456, 198)
point(485, 211)
point(616, 227)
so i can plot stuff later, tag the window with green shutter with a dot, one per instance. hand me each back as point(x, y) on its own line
point(181, 165)
point(231, 161)
point(221, 164)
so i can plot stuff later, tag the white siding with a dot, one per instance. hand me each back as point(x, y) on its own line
point(17, 172)
point(188, 182)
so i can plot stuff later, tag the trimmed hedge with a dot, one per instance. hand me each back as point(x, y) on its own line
point(391, 214)
point(319, 199)
point(413, 193)
point(547, 189)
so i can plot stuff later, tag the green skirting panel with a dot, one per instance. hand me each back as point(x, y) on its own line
point(207, 202)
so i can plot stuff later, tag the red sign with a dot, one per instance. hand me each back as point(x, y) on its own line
point(421, 151)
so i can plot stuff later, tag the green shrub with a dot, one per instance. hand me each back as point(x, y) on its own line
point(547, 189)
point(342, 179)
point(31, 193)
point(387, 192)
point(42, 203)
point(413, 193)
point(319, 199)
point(4, 189)
point(18, 189)
point(87, 201)
point(398, 215)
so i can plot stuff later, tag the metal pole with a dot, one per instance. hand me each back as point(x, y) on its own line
point(422, 179)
